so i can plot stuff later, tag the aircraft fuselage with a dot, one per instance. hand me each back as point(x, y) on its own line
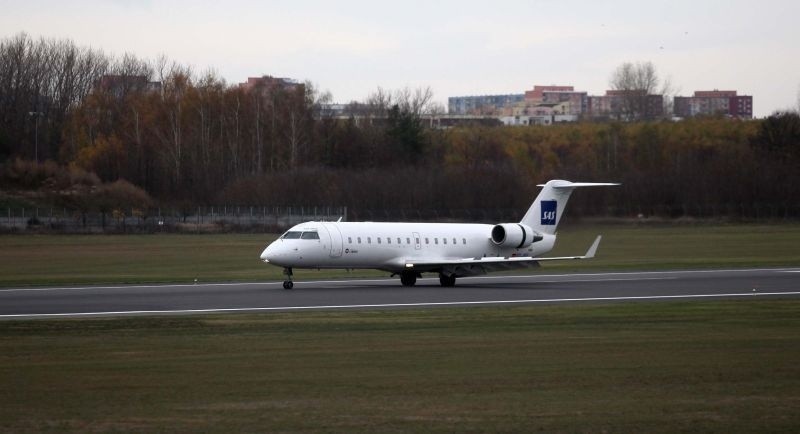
point(388, 246)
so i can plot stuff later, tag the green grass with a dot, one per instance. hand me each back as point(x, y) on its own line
point(722, 366)
point(69, 259)
point(80, 259)
point(681, 246)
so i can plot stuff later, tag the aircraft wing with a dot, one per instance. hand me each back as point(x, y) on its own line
point(472, 266)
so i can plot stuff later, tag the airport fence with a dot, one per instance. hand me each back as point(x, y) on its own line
point(277, 219)
point(195, 219)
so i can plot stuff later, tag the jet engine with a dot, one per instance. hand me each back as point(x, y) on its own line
point(515, 235)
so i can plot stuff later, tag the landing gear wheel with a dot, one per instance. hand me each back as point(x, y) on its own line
point(447, 281)
point(408, 279)
point(287, 284)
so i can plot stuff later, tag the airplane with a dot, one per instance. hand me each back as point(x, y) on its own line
point(452, 250)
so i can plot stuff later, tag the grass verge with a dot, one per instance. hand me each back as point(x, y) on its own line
point(93, 259)
point(721, 366)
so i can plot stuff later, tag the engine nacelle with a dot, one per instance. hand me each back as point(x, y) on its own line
point(514, 235)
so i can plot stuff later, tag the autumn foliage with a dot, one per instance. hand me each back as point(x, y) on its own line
point(195, 139)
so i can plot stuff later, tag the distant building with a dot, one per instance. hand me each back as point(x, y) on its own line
point(714, 102)
point(121, 85)
point(568, 101)
point(625, 105)
point(365, 114)
point(522, 120)
point(268, 84)
point(483, 104)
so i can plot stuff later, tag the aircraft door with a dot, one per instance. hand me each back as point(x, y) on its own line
point(336, 239)
point(417, 244)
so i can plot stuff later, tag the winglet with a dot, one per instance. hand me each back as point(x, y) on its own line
point(593, 249)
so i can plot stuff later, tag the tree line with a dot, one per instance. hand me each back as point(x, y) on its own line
point(195, 139)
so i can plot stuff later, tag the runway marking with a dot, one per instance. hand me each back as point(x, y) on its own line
point(735, 270)
point(360, 306)
point(606, 280)
point(534, 276)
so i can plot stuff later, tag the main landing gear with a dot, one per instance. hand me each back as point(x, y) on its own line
point(447, 281)
point(409, 278)
point(287, 284)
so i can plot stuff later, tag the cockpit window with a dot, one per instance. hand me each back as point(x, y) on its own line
point(310, 236)
point(291, 235)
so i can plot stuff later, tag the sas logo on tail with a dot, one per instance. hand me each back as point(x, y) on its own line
point(549, 212)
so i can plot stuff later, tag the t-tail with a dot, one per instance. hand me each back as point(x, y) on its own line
point(546, 211)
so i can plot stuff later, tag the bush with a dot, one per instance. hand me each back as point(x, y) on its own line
point(119, 195)
point(30, 175)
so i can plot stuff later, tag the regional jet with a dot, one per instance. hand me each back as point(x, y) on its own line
point(452, 250)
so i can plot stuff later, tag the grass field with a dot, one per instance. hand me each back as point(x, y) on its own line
point(712, 366)
point(723, 366)
point(79, 259)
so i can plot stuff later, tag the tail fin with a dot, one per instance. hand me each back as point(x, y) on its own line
point(546, 211)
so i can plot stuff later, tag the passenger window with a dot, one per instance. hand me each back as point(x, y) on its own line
point(435, 241)
point(464, 240)
point(369, 240)
point(417, 239)
point(454, 241)
point(310, 236)
point(426, 241)
point(444, 240)
point(349, 240)
point(388, 240)
point(408, 240)
point(359, 240)
point(398, 241)
point(291, 235)
point(379, 240)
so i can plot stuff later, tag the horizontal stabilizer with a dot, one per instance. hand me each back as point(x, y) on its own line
point(567, 184)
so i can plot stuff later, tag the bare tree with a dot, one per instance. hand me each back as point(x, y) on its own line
point(46, 77)
point(640, 90)
point(798, 99)
point(378, 102)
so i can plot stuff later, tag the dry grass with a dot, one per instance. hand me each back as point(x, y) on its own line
point(661, 367)
point(80, 259)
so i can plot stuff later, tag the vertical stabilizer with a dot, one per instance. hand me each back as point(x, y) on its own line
point(546, 211)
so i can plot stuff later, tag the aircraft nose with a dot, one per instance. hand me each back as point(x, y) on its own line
point(265, 255)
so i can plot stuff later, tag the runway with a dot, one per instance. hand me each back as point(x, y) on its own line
point(22, 303)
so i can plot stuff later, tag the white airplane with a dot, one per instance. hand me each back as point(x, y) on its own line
point(409, 249)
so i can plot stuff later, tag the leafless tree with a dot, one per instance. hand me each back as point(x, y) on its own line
point(46, 77)
point(379, 102)
point(798, 99)
point(636, 85)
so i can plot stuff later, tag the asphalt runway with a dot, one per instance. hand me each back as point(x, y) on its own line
point(21, 303)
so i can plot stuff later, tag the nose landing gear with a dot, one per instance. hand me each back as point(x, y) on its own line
point(287, 284)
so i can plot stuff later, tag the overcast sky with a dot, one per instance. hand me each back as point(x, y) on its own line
point(459, 47)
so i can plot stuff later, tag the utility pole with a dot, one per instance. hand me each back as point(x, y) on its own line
point(36, 134)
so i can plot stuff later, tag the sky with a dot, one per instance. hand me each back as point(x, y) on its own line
point(463, 47)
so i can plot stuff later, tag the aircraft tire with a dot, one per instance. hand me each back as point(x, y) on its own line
point(408, 279)
point(288, 284)
point(447, 281)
